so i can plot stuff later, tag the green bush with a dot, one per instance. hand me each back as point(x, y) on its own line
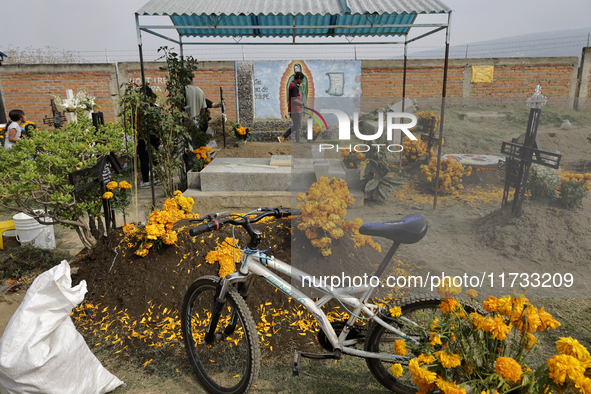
point(572, 194)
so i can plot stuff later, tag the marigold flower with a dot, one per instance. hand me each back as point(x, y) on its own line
point(562, 366)
point(472, 293)
point(449, 387)
point(509, 369)
point(421, 377)
point(111, 185)
point(449, 305)
point(142, 252)
point(448, 360)
point(124, 185)
point(425, 359)
point(448, 290)
point(395, 311)
point(397, 370)
point(400, 347)
point(107, 195)
point(572, 347)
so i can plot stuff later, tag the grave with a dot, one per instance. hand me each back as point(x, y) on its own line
point(258, 181)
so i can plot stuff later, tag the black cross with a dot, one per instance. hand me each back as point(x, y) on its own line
point(521, 157)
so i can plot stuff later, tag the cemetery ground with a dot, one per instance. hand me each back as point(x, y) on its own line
point(470, 231)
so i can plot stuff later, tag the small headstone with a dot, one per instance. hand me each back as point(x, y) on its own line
point(211, 144)
point(210, 131)
point(565, 125)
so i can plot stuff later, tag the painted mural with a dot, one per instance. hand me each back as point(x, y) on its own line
point(323, 79)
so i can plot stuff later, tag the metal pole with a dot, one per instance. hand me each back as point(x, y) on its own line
point(223, 112)
point(467, 51)
point(403, 99)
point(442, 120)
point(148, 145)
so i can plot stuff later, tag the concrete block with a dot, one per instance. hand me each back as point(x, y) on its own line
point(194, 180)
point(241, 174)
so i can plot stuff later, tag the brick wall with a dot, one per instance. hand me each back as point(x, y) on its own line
point(512, 78)
point(209, 76)
point(28, 86)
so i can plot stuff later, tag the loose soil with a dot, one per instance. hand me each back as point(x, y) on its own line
point(464, 237)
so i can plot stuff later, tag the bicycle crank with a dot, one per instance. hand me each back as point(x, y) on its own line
point(354, 333)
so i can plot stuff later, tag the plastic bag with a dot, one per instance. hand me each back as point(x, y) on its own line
point(41, 351)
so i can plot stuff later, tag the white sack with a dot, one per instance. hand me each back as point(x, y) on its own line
point(41, 352)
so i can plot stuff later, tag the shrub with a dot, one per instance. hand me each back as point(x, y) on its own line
point(573, 188)
point(542, 181)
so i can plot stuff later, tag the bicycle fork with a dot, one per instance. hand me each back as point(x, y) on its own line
point(243, 282)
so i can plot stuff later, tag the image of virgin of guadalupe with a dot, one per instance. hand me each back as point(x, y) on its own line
point(303, 87)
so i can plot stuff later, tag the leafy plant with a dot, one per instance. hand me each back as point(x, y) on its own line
point(352, 159)
point(377, 184)
point(173, 127)
point(34, 178)
point(542, 181)
point(573, 188)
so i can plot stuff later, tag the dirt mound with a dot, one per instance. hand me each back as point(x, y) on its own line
point(121, 283)
point(542, 234)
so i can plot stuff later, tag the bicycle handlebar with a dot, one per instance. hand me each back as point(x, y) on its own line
point(215, 224)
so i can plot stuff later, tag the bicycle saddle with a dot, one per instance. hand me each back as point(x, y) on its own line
point(408, 230)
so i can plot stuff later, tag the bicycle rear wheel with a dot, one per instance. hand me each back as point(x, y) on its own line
point(420, 310)
point(231, 363)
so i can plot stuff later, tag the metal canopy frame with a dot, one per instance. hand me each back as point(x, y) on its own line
point(215, 30)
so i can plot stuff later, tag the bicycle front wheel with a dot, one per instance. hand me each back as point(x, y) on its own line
point(229, 364)
point(420, 312)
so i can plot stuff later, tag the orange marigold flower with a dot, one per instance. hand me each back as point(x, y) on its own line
point(107, 195)
point(400, 347)
point(509, 369)
point(111, 185)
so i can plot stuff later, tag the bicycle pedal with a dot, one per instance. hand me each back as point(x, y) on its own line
point(296, 368)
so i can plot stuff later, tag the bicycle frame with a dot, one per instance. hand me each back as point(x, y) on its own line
point(257, 262)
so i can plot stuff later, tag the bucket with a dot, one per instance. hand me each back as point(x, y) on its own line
point(30, 232)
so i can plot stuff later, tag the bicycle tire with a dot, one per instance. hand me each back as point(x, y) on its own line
point(222, 367)
point(411, 308)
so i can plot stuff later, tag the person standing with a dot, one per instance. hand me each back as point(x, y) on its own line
point(13, 128)
point(294, 107)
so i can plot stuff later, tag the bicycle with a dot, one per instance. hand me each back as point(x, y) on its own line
point(220, 334)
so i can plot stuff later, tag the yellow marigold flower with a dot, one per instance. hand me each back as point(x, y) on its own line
point(531, 341)
point(421, 377)
point(351, 165)
point(528, 319)
point(448, 290)
point(148, 245)
point(472, 293)
point(434, 325)
point(395, 311)
point(435, 339)
point(499, 329)
point(547, 320)
point(142, 252)
point(425, 359)
point(400, 347)
point(111, 185)
point(484, 323)
point(449, 305)
point(572, 347)
point(449, 387)
point(562, 366)
point(448, 360)
point(397, 370)
point(107, 195)
point(170, 238)
point(504, 306)
point(178, 193)
point(124, 185)
point(509, 369)
point(129, 228)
